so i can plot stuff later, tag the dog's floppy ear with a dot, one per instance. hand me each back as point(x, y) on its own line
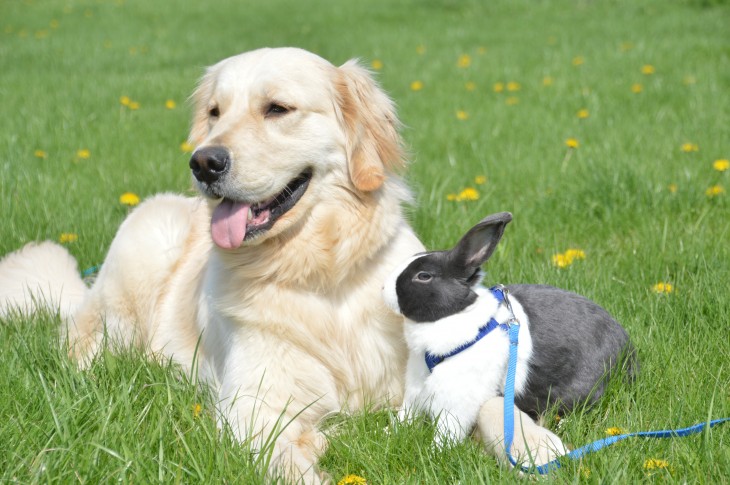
point(200, 99)
point(368, 116)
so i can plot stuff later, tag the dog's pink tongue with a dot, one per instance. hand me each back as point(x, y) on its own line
point(228, 225)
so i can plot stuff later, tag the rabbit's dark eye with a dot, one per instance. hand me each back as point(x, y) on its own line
point(423, 277)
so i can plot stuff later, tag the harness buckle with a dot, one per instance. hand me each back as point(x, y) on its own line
point(512, 320)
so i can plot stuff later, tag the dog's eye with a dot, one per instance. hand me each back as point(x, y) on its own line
point(275, 109)
point(423, 277)
point(214, 112)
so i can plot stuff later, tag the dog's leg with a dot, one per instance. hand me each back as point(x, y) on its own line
point(532, 443)
point(123, 300)
point(297, 458)
point(286, 443)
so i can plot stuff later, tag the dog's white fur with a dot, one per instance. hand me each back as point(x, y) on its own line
point(40, 275)
point(291, 325)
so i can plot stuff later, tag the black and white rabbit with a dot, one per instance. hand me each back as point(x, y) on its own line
point(456, 370)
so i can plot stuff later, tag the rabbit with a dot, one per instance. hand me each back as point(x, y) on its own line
point(456, 368)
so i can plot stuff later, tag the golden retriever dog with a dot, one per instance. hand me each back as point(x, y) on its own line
point(271, 281)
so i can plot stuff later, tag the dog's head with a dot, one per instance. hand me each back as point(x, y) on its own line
point(276, 130)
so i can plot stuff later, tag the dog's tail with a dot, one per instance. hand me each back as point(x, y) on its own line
point(40, 276)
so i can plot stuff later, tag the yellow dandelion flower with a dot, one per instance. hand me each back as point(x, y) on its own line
point(54, 24)
point(572, 143)
point(688, 80)
point(352, 480)
point(464, 61)
point(40, 154)
point(614, 431)
point(636, 88)
point(560, 260)
point(132, 51)
point(470, 86)
point(512, 100)
point(626, 46)
point(578, 61)
point(513, 86)
point(68, 237)
point(83, 154)
point(452, 197)
point(583, 114)
point(125, 100)
point(648, 69)
point(573, 254)
point(662, 288)
point(721, 165)
point(197, 409)
point(129, 198)
point(462, 115)
point(377, 64)
point(714, 191)
point(655, 464)
point(672, 188)
point(416, 86)
point(689, 147)
point(107, 44)
point(421, 49)
point(187, 147)
point(170, 104)
point(480, 180)
point(133, 105)
point(547, 81)
point(469, 193)
point(563, 260)
point(585, 472)
point(481, 50)
point(498, 87)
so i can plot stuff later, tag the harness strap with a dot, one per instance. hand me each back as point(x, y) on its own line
point(432, 360)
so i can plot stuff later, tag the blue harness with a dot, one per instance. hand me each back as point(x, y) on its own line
point(432, 360)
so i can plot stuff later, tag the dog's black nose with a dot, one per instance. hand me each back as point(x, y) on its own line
point(210, 163)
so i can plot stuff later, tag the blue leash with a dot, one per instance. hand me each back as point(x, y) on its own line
point(90, 271)
point(509, 399)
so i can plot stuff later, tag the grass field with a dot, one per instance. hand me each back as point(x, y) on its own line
point(491, 95)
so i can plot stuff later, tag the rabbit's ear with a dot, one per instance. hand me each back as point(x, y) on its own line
point(477, 245)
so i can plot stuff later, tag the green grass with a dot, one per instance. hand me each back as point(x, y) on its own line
point(65, 64)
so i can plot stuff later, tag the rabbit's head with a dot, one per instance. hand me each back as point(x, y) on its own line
point(433, 285)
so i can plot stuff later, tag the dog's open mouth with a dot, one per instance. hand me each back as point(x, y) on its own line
point(234, 222)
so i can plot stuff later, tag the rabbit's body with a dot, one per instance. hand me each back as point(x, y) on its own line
point(568, 344)
point(576, 344)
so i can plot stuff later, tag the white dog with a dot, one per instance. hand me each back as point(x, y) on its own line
point(276, 271)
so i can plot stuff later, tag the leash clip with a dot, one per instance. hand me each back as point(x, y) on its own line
point(512, 320)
